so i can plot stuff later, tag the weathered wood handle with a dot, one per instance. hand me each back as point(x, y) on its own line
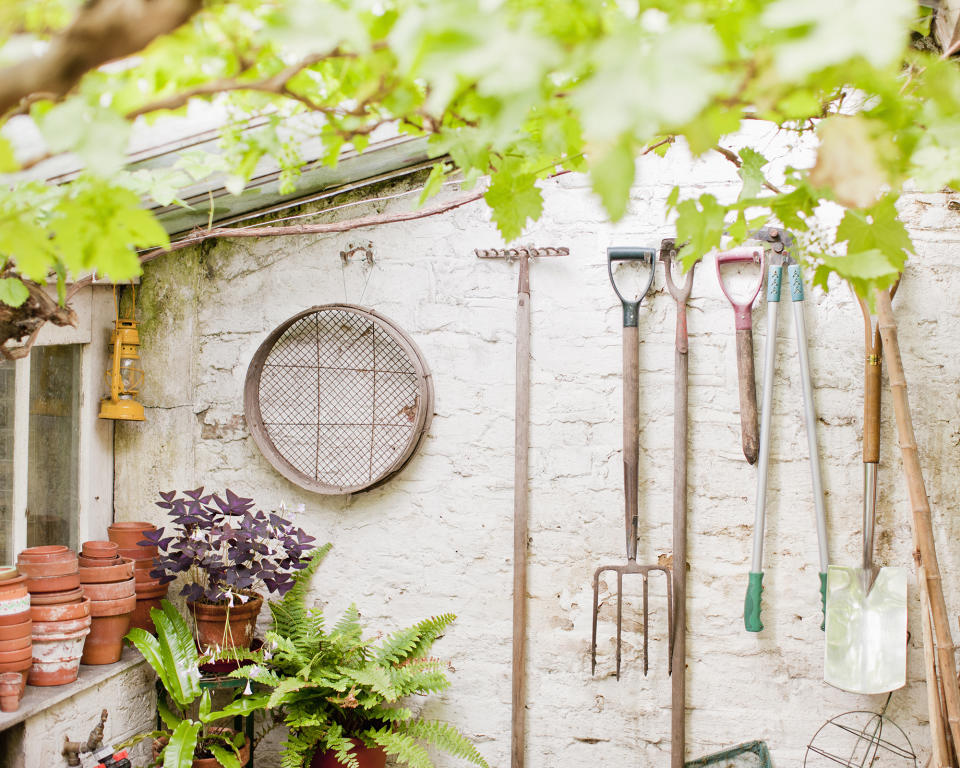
point(749, 424)
point(631, 435)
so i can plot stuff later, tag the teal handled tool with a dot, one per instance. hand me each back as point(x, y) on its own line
point(780, 243)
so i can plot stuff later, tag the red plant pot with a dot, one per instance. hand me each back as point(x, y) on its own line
point(56, 657)
point(46, 554)
point(121, 570)
point(99, 549)
point(42, 628)
point(8, 657)
point(14, 631)
point(11, 690)
point(223, 626)
point(54, 583)
point(128, 534)
point(138, 553)
point(15, 644)
point(97, 562)
point(13, 586)
point(149, 595)
point(367, 757)
point(22, 668)
point(62, 612)
point(13, 619)
point(37, 571)
point(110, 590)
point(57, 598)
point(111, 621)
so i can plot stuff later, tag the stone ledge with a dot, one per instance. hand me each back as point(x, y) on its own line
point(38, 698)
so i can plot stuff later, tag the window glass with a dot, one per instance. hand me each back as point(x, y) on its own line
point(54, 444)
point(7, 382)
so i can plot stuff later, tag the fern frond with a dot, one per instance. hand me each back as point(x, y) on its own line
point(290, 613)
point(398, 646)
point(373, 677)
point(286, 687)
point(430, 631)
point(402, 746)
point(299, 746)
point(443, 736)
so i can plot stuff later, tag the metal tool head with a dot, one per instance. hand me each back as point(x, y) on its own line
point(631, 567)
point(668, 255)
point(646, 258)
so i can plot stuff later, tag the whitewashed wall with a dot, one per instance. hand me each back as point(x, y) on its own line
point(439, 536)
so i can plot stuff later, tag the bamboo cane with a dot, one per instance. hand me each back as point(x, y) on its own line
point(938, 741)
point(921, 518)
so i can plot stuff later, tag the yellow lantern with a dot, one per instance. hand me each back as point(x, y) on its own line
point(124, 377)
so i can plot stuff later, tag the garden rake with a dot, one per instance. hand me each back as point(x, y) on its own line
point(642, 259)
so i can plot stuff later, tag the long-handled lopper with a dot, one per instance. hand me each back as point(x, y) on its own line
point(680, 294)
point(646, 260)
point(780, 243)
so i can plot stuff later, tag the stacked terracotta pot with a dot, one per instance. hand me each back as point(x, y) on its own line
point(149, 591)
point(60, 613)
point(16, 642)
point(107, 580)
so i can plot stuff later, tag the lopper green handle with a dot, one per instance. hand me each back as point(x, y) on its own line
point(823, 599)
point(751, 606)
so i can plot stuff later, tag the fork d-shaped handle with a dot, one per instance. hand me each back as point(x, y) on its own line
point(645, 256)
point(749, 425)
point(631, 388)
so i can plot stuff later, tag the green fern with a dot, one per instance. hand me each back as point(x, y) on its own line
point(444, 736)
point(404, 748)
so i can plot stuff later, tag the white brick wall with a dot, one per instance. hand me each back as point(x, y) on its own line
point(439, 536)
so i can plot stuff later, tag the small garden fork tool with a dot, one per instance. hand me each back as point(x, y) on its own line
point(645, 259)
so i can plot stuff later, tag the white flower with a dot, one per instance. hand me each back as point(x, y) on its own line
point(247, 690)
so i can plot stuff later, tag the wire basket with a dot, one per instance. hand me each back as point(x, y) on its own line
point(338, 398)
point(860, 739)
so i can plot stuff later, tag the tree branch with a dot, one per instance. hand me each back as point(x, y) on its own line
point(102, 31)
point(310, 229)
point(732, 157)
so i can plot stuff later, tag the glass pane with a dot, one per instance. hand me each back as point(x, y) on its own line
point(7, 381)
point(54, 445)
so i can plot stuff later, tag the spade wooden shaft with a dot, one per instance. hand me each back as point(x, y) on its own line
point(921, 518)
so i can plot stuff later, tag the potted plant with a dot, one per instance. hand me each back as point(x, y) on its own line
point(342, 695)
point(229, 552)
point(188, 739)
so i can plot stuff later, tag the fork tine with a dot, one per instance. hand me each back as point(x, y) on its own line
point(619, 616)
point(596, 610)
point(646, 624)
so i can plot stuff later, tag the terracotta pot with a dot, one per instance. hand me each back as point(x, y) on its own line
point(47, 554)
point(15, 644)
point(121, 570)
point(149, 595)
point(8, 572)
point(63, 612)
point(138, 553)
point(12, 619)
point(110, 590)
point(21, 653)
point(111, 621)
point(99, 549)
point(203, 762)
point(41, 628)
point(13, 587)
point(13, 631)
point(48, 570)
point(142, 576)
point(14, 602)
point(128, 534)
point(22, 668)
point(97, 562)
point(54, 583)
point(56, 658)
point(11, 689)
point(367, 757)
point(225, 626)
point(57, 598)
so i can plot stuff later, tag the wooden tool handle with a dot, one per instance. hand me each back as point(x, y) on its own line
point(631, 435)
point(749, 425)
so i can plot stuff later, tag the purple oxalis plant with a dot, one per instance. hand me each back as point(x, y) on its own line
point(226, 548)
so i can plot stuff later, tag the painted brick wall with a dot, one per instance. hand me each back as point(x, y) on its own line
point(439, 536)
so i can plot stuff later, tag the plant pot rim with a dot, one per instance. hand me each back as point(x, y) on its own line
point(131, 525)
point(120, 570)
point(61, 597)
point(114, 607)
point(42, 629)
point(10, 581)
point(46, 553)
point(205, 606)
point(74, 611)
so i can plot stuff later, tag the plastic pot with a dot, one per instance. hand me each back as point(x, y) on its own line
point(56, 658)
point(13, 631)
point(111, 621)
point(60, 583)
point(57, 598)
point(110, 590)
point(128, 534)
point(63, 612)
point(218, 624)
point(149, 595)
point(367, 757)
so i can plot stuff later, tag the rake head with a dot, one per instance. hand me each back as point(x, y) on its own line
point(631, 567)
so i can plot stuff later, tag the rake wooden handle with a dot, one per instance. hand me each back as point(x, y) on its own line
point(749, 424)
point(921, 518)
point(631, 435)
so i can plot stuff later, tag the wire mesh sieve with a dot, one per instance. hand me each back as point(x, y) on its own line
point(338, 398)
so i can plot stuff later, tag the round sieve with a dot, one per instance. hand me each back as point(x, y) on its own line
point(338, 398)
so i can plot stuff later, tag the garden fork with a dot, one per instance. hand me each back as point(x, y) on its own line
point(644, 257)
